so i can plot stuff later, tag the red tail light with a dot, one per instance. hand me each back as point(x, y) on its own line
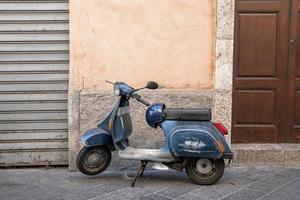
point(221, 128)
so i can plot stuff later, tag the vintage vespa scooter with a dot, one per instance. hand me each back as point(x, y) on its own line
point(192, 141)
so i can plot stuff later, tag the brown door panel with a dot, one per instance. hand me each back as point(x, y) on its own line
point(247, 135)
point(293, 105)
point(259, 71)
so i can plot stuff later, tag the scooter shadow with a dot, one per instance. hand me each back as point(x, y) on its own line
point(161, 176)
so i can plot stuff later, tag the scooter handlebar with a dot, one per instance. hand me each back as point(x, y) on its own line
point(140, 99)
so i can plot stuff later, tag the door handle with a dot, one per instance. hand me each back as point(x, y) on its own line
point(292, 41)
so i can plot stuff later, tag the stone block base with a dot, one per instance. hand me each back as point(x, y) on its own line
point(266, 154)
point(95, 106)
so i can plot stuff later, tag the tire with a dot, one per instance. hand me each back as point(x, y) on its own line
point(93, 155)
point(204, 173)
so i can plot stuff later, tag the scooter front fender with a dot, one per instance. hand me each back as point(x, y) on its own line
point(201, 141)
point(97, 137)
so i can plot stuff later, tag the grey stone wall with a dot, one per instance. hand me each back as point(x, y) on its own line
point(94, 107)
point(224, 63)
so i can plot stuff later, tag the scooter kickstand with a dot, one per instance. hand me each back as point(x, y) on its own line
point(144, 163)
point(141, 169)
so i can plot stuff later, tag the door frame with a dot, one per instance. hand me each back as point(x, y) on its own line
point(224, 66)
point(292, 126)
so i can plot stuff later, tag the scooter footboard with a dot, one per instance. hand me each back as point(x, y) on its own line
point(97, 137)
point(195, 141)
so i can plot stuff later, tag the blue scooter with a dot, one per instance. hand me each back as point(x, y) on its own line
point(192, 141)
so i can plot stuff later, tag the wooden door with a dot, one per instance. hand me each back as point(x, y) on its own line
point(293, 131)
point(260, 68)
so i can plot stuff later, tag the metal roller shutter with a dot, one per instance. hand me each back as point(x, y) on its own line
point(34, 64)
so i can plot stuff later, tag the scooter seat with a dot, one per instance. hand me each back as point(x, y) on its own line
point(182, 114)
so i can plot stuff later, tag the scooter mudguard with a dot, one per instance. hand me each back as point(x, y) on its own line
point(97, 137)
point(197, 139)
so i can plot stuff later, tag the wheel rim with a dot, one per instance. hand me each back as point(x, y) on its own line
point(204, 168)
point(95, 160)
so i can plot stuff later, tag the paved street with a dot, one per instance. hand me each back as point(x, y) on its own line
point(237, 183)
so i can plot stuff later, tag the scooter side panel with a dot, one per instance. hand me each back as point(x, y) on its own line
point(97, 137)
point(194, 139)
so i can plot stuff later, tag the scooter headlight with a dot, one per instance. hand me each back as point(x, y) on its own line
point(117, 89)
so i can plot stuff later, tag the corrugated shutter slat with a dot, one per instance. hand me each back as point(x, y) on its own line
point(34, 70)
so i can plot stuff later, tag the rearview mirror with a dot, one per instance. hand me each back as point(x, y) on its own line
point(152, 85)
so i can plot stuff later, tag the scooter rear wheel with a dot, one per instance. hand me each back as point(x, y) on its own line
point(204, 171)
point(93, 160)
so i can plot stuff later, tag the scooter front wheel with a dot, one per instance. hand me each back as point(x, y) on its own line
point(204, 171)
point(93, 160)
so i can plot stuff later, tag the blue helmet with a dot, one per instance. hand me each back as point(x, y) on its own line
point(155, 114)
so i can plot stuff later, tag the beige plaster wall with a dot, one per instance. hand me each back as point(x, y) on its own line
point(169, 41)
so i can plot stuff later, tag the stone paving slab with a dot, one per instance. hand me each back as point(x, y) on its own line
point(260, 183)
